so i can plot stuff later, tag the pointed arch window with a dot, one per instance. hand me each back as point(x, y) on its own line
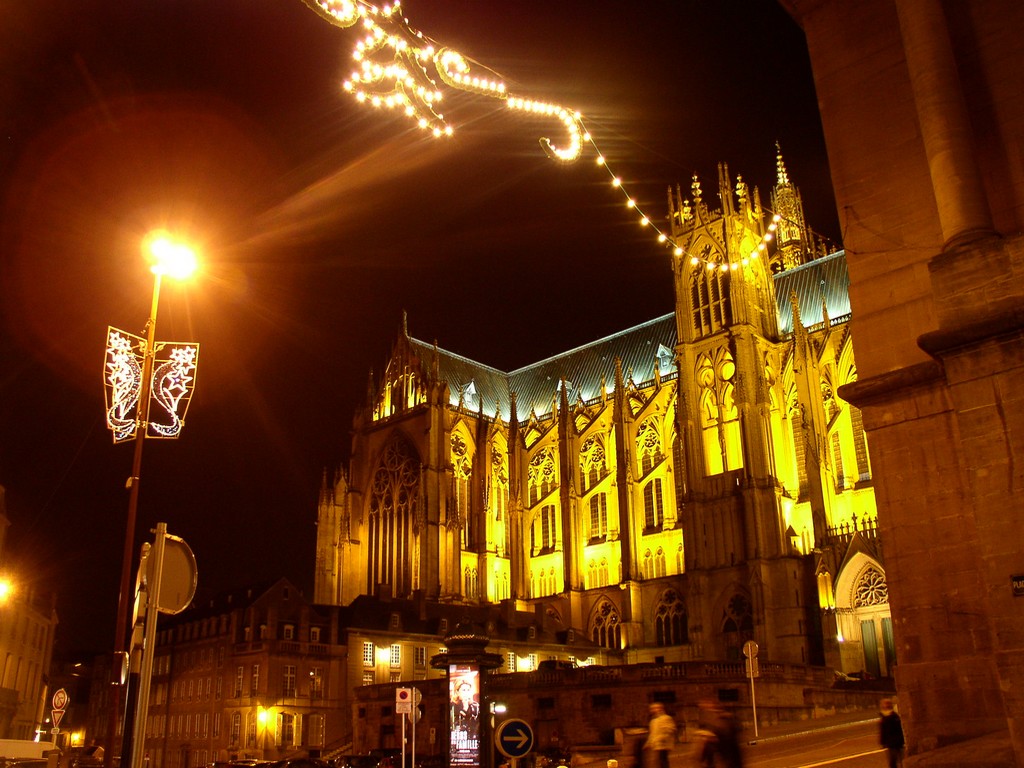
point(543, 476)
point(593, 463)
point(392, 512)
point(542, 532)
point(598, 517)
point(670, 620)
point(499, 481)
point(472, 584)
point(654, 506)
point(462, 469)
point(606, 626)
point(737, 625)
point(719, 414)
point(648, 445)
point(647, 568)
point(659, 562)
point(709, 299)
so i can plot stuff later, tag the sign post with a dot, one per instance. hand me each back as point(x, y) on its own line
point(59, 702)
point(750, 651)
point(414, 715)
point(514, 739)
point(403, 706)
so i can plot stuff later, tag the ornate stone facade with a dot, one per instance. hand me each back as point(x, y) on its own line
point(670, 491)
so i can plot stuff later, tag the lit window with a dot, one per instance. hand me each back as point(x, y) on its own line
point(532, 662)
point(368, 678)
point(510, 661)
point(286, 732)
point(316, 682)
point(368, 659)
point(654, 506)
point(598, 516)
point(396, 655)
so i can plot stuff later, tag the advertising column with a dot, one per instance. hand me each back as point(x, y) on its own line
point(464, 718)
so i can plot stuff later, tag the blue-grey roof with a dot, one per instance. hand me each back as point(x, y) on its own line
point(587, 368)
point(818, 283)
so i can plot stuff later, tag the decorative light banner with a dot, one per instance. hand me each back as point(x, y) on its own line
point(170, 387)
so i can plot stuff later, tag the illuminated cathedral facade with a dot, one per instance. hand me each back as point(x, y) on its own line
point(668, 492)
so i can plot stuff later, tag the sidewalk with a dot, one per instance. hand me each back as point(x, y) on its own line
point(992, 751)
point(774, 731)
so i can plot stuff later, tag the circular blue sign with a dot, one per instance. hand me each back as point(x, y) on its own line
point(514, 738)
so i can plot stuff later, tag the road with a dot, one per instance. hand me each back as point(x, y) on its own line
point(849, 746)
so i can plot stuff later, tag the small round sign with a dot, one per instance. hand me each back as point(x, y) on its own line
point(60, 699)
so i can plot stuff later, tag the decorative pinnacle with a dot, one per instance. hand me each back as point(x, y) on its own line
point(783, 177)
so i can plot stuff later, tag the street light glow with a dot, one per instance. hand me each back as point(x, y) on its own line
point(6, 589)
point(170, 256)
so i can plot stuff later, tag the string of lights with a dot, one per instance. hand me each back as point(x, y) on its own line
point(395, 70)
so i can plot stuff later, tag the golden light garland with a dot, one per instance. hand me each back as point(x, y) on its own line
point(396, 70)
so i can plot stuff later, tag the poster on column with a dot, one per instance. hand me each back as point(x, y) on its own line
point(464, 692)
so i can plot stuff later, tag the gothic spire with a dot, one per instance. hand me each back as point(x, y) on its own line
point(780, 165)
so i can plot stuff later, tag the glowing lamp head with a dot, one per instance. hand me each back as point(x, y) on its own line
point(6, 589)
point(263, 716)
point(170, 257)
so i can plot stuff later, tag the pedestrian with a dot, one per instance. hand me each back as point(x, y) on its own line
point(639, 740)
point(890, 733)
point(661, 735)
point(721, 736)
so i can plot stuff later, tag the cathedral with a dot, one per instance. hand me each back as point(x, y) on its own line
point(668, 492)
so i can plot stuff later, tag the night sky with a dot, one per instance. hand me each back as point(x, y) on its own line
point(320, 221)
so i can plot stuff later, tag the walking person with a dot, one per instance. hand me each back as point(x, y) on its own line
point(890, 733)
point(661, 735)
point(721, 736)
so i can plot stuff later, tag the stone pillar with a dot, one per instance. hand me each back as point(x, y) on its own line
point(945, 125)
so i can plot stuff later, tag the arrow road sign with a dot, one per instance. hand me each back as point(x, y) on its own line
point(514, 738)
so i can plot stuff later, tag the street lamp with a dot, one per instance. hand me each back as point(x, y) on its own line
point(131, 387)
point(262, 717)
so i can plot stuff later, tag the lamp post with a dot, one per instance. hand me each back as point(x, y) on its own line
point(175, 259)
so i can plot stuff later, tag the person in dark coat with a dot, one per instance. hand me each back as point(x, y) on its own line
point(722, 736)
point(890, 733)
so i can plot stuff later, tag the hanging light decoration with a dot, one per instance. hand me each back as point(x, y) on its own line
point(398, 68)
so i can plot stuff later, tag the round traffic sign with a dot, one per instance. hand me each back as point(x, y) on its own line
point(60, 699)
point(514, 738)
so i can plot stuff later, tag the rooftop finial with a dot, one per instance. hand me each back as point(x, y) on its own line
point(780, 165)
